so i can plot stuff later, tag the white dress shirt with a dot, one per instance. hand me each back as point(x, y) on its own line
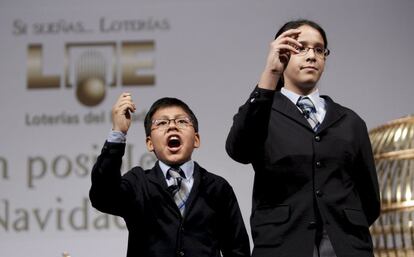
point(318, 101)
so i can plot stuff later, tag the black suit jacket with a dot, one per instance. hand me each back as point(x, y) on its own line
point(212, 221)
point(304, 179)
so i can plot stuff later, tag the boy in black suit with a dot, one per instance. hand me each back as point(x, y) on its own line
point(177, 208)
point(315, 179)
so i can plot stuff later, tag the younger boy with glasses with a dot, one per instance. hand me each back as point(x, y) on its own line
point(177, 208)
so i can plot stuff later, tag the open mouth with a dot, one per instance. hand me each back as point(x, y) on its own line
point(174, 142)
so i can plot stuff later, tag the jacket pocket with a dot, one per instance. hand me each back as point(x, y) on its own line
point(358, 229)
point(269, 225)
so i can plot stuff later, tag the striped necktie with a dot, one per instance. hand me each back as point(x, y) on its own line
point(179, 190)
point(309, 111)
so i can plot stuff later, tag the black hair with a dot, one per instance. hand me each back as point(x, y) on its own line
point(294, 25)
point(164, 103)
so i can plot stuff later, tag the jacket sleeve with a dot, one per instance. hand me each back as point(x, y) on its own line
point(234, 240)
point(366, 178)
point(249, 129)
point(109, 192)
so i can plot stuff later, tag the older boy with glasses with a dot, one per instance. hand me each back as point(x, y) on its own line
point(315, 190)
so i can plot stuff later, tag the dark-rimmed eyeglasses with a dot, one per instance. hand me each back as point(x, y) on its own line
point(180, 122)
point(319, 51)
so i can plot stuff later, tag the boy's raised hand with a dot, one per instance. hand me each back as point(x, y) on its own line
point(121, 113)
point(278, 58)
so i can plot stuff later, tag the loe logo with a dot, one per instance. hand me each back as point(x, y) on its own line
point(90, 68)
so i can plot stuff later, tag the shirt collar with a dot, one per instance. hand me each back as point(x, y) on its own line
point(187, 168)
point(314, 97)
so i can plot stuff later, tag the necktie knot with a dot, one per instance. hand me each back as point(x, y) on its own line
point(175, 173)
point(309, 111)
point(306, 105)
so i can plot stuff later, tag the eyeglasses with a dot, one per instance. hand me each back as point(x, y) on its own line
point(180, 122)
point(319, 51)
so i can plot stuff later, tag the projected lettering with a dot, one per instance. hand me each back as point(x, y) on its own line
point(58, 217)
point(4, 171)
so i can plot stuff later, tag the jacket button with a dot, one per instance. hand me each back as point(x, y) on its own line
point(319, 193)
point(312, 225)
point(318, 164)
point(317, 138)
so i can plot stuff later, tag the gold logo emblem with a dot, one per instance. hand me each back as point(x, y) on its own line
point(93, 67)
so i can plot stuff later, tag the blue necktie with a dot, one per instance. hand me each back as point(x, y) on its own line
point(179, 190)
point(309, 111)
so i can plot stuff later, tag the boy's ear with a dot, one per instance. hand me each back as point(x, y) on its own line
point(150, 146)
point(197, 140)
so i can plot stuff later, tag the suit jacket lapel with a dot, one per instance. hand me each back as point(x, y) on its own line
point(198, 176)
point(201, 181)
point(334, 112)
point(156, 176)
point(283, 105)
